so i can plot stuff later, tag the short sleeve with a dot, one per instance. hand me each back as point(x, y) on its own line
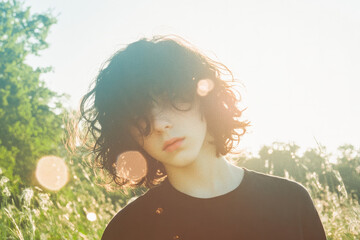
point(312, 226)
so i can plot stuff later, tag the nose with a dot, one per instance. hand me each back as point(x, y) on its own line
point(162, 123)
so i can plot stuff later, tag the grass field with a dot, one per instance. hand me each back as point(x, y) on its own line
point(82, 209)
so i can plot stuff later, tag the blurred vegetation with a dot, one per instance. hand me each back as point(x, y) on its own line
point(283, 160)
point(30, 113)
point(41, 214)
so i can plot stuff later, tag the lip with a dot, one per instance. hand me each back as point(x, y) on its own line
point(170, 144)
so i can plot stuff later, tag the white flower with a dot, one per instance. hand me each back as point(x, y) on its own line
point(27, 195)
point(44, 201)
point(43, 236)
point(3, 180)
point(6, 192)
point(36, 212)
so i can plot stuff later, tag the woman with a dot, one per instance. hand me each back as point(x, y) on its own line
point(168, 102)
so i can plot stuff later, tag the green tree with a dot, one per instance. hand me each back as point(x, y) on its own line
point(349, 168)
point(30, 113)
point(282, 159)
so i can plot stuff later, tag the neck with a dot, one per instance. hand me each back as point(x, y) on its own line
point(206, 177)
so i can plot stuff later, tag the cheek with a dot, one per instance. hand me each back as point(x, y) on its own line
point(197, 127)
point(151, 146)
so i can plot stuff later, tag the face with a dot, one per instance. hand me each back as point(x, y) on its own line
point(169, 122)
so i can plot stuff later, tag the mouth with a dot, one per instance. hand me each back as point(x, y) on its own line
point(173, 144)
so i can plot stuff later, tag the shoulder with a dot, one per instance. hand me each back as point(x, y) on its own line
point(126, 221)
point(278, 196)
point(120, 225)
point(270, 185)
point(286, 200)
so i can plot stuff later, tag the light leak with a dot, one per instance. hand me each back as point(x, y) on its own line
point(52, 172)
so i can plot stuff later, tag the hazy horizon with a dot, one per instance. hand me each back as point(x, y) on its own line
point(299, 60)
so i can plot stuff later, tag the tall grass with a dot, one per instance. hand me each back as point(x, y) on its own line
point(37, 214)
point(339, 213)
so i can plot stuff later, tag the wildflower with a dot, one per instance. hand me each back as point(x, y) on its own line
point(68, 206)
point(6, 192)
point(3, 180)
point(43, 236)
point(36, 212)
point(27, 195)
point(44, 201)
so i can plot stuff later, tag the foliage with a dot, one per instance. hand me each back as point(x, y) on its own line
point(59, 215)
point(30, 113)
point(283, 160)
point(339, 213)
point(349, 168)
point(63, 214)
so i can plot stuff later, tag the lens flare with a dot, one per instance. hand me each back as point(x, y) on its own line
point(91, 216)
point(52, 172)
point(204, 86)
point(131, 165)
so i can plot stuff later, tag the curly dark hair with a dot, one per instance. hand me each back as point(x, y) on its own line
point(124, 92)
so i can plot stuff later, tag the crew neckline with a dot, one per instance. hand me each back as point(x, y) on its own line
point(184, 196)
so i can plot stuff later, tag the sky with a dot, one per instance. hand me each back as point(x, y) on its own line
point(299, 61)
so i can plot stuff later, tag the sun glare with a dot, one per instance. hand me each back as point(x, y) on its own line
point(204, 86)
point(131, 165)
point(52, 172)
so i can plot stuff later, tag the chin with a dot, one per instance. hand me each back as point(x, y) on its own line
point(184, 159)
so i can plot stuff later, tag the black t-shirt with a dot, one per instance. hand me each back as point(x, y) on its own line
point(261, 207)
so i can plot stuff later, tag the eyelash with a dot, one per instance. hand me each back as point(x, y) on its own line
point(185, 106)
